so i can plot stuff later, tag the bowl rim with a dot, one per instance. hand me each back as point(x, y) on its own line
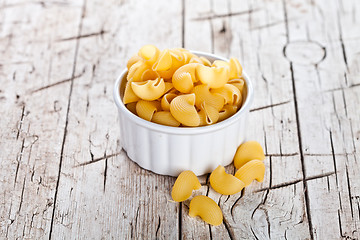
point(185, 130)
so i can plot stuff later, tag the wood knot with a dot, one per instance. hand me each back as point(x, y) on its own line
point(305, 52)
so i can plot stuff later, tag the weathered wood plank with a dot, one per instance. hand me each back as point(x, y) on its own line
point(101, 192)
point(326, 136)
point(32, 123)
point(241, 30)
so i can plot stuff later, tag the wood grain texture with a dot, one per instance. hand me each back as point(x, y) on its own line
point(64, 175)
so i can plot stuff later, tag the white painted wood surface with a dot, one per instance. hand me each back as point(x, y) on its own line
point(63, 174)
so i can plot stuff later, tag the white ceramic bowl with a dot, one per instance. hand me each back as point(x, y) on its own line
point(170, 150)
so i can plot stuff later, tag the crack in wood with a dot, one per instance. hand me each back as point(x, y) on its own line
point(340, 228)
point(250, 11)
point(349, 191)
point(136, 217)
point(67, 116)
point(307, 199)
point(22, 196)
point(353, 137)
point(252, 230)
point(157, 228)
point(99, 159)
point(286, 184)
point(334, 159)
point(268, 25)
point(269, 106)
point(228, 229)
point(343, 88)
point(344, 101)
point(336, 112)
point(180, 222)
point(58, 83)
point(105, 170)
point(234, 204)
point(210, 233)
point(100, 33)
point(18, 161)
point(21, 121)
point(281, 154)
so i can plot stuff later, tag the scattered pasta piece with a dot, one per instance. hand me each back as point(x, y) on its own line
point(248, 151)
point(254, 169)
point(185, 183)
point(224, 183)
point(207, 209)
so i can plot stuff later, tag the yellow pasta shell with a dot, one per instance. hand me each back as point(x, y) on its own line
point(207, 209)
point(187, 54)
point(185, 183)
point(178, 58)
point(224, 183)
point(230, 93)
point(227, 111)
point(235, 68)
point(149, 90)
point(166, 99)
point(208, 114)
point(184, 78)
point(149, 53)
point(149, 74)
point(254, 169)
point(238, 82)
point(248, 151)
point(134, 59)
point(220, 63)
point(165, 118)
point(137, 71)
point(146, 109)
point(182, 108)
point(215, 77)
point(129, 95)
point(203, 94)
point(164, 62)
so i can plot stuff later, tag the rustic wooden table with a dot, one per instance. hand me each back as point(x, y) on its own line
point(63, 174)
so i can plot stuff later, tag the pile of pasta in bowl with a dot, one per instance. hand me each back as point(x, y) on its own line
point(175, 87)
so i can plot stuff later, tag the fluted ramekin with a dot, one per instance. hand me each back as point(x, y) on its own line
point(170, 150)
